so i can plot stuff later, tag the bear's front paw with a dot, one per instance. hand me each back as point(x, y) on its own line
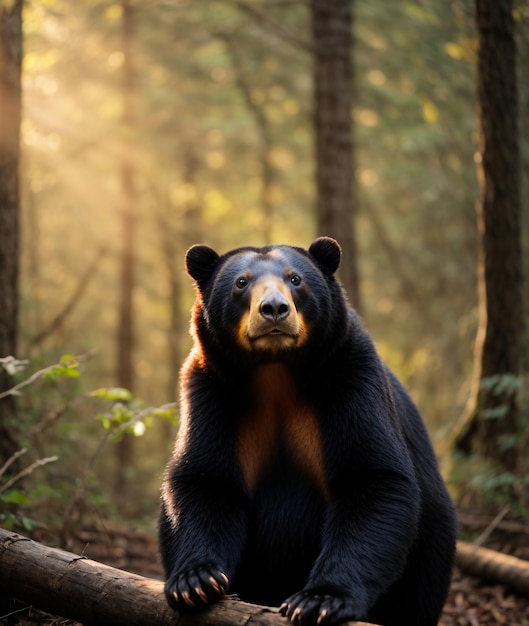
point(196, 587)
point(315, 607)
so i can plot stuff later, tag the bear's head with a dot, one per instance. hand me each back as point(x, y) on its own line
point(264, 301)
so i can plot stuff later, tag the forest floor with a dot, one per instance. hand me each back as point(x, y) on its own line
point(471, 601)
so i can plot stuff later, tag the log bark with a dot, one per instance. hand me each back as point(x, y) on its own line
point(89, 592)
point(493, 566)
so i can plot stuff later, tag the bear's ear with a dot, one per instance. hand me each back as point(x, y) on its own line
point(200, 262)
point(327, 253)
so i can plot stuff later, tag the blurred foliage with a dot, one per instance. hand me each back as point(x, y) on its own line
point(197, 148)
point(75, 486)
point(480, 484)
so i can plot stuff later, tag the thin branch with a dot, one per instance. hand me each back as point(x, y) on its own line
point(39, 373)
point(13, 391)
point(141, 415)
point(81, 489)
point(51, 417)
point(408, 287)
point(26, 472)
point(83, 485)
point(11, 460)
point(282, 3)
point(263, 126)
point(59, 319)
point(244, 87)
point(491, 527)
point(275, 28)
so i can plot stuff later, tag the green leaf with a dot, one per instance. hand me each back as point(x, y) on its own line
point(112, 394)
point(499, 384)
point(68, 359)
point(15, 497)
point(69, 369)
point(508, 442)
point(496, 413)
point(489, 382)
point(121, 413)
point(8, 521)
point(104, 420)
point(27, 523)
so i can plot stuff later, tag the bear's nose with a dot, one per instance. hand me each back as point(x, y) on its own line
point(274, 307)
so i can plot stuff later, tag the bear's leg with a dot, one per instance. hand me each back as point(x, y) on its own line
point(200, 541)
point(417, 599)
point(368, 531)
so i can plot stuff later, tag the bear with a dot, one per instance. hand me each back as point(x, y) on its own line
point(302, 474)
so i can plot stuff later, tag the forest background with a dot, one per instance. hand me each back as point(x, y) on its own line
point(202, 131)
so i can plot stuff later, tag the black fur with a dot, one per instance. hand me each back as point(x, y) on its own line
point(374, 539)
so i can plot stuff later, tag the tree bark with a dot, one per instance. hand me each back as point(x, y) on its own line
point(493, 566)
point(125, 335)
point(499, 338)
point(10, 107)
point(77, 588)
point(72, 586)
point(176, 239)
point(332, 26)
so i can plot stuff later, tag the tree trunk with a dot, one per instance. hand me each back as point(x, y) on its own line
point(332, 26)
point(176, 239)
point(77, 588)
point(10, 107)
point(498, 342)
point(179, 227)
point(125, 360)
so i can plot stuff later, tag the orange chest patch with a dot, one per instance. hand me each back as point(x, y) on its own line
point(280, 418)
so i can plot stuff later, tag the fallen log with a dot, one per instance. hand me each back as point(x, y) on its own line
point(72, 586)
point(478, 522)
point(493, 566)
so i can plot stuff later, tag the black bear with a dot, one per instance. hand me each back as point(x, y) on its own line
point(302, 475)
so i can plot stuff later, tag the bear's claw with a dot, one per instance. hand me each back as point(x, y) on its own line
point(315, 608)
point(196, 587)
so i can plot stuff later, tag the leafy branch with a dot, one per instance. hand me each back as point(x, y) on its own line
point(123, 418)
point(67, 367)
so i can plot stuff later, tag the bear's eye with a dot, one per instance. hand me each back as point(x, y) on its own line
point(241, 282)
point(295, 280)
